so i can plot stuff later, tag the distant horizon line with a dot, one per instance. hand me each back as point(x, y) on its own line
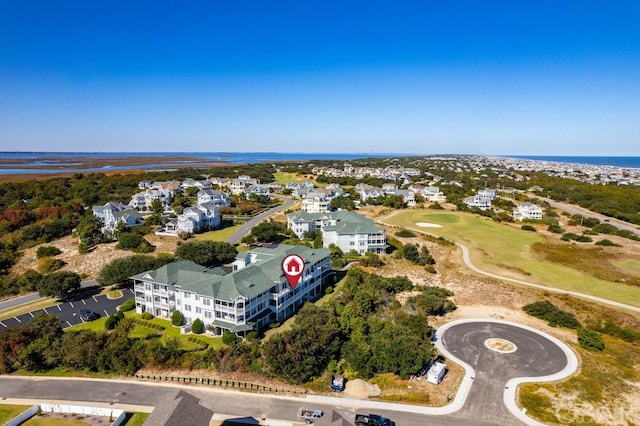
point(319, 153)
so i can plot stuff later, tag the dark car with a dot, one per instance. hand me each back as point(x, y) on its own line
point(88, 315)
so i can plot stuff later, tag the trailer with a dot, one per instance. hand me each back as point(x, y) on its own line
point(436, 373)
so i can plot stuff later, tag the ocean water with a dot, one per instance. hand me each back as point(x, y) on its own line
point(622, 162)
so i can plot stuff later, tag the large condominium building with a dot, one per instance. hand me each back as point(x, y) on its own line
point(347, 230)
point(249, 294)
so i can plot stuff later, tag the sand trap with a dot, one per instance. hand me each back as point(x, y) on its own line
point(428, 225)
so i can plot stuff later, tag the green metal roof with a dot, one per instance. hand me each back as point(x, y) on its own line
point(248, 282)
point(346, 222)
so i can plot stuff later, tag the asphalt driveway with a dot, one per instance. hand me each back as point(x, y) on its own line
point(69, 312)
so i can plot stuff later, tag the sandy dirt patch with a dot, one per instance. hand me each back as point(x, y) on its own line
point(358, 388)
point(428, 225)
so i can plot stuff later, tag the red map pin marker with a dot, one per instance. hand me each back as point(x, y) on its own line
point(293, 266)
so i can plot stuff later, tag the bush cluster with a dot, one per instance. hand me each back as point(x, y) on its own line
point(149, 324)
point(549, 312)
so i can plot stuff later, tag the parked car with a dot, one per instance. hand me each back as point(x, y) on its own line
point(373, 420)
point(309, 415)
point(88, 315)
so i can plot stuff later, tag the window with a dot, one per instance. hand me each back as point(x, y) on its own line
point(187, 307)
point(198, 310)
point(187, 295)
point(207, 314)
point(206, 301)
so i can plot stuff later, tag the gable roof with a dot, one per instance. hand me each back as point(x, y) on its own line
point(248, 282)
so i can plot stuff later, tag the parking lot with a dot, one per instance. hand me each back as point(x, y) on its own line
point(69, 312)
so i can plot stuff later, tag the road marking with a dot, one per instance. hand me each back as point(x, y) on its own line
point(71, 303)
point(69, 323)
point(3, 324)
point(59, 308)
point(83, 302)
point(106, 313)
point(17, 319)
point(31, 313)
point(45, 310)
point(94, 299)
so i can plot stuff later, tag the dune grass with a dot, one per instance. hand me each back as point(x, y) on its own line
point(507, 251)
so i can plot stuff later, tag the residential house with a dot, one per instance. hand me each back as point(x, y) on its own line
point(217, 198)
point(347, 230)
point(251, 296)
point(527, 211)
point(193, 219)
point(144, 200)
point(112, 214)
point(478, 202)
point(200, 184)
point(489, 194)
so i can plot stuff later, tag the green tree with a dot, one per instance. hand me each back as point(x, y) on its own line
point(47, 251)
point(59, 284)
point(177, 318)
point(343, 203)
point(197, 327)
point(119, 270)
point(269, 232)
point(206, 253)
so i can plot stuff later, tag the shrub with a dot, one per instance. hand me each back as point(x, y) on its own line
point(228, 337)
point(405, 233)
point(197, 327)
point(146, 316)
point(128, 305)
point(547, 311)
point(590, 340)
point(607, 243)
point(111, 322)
point(50, 264)
point(177, 318)
point(328, 290)
point(45, 251)
point(253, 335)
point(528, 228)
point(556, 229)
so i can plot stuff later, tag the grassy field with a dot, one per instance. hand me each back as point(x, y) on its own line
point(7, 411)
point(506, 251)
point(135, 419)
point(218, 235)
point(285, 177)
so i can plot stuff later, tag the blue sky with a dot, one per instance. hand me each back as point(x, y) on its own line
point(424, 77)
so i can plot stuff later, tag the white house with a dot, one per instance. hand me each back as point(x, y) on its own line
point(143, 200)
point(217, 198)
point(196, 217)
point(252, 295)
point(113, 213)
point(478, 202)
point(527, 211)
point(347, 230)
point(489, 194)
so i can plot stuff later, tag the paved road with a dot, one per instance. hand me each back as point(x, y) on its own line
point(479, 401)
point(250, 223)
point(588, 213)
point(490, 382)
point(467, 261)
point(20, 300)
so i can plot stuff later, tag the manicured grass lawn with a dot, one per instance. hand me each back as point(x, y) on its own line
point(219, 234)
point(140, 331)
point(135, 419)
point(7, 411)
point(506, 251)
point(54, 421)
